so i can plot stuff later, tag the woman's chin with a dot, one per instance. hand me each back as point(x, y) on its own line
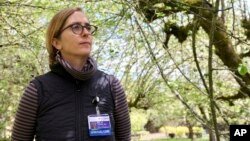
point(85, 53)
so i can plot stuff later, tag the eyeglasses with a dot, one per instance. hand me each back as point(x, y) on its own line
point(77, 28)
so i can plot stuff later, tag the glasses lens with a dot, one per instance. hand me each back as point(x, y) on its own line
point(76, 28)
point(89, 28)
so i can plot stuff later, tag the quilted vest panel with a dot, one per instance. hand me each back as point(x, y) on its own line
point(65, 103)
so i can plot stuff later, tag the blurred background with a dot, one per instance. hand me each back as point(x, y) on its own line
point(184, 64)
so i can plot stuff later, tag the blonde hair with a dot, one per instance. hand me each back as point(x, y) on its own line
point(54, 30)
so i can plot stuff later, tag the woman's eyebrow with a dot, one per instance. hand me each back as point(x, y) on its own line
point(87, 23)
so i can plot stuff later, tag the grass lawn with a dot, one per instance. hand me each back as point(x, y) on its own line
point(180, 140)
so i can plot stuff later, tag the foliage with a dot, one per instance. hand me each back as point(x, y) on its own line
point(13, 82)
point(242, 69)
point(138, 120)
point(158, 71)
point(179, 140)
point(180, 131)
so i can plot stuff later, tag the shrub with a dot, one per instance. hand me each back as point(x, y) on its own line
point(138, 120)
point(180, 131)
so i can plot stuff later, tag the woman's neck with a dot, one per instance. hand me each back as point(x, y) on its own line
point(76, 62)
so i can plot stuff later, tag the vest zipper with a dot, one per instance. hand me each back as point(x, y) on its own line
point(78, 112)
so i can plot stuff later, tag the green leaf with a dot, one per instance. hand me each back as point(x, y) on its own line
point(160, 14)
point(242, 69)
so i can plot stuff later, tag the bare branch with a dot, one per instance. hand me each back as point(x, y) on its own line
point(247, 54)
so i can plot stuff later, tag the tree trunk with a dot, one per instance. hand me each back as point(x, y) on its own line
point(211, 135)
point(190, 131)
point(150, 126)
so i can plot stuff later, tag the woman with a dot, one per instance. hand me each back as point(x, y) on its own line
point(65, 103)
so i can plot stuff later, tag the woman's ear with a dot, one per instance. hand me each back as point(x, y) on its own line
point(56, 43)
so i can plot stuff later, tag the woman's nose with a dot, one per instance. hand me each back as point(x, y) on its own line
point(85, 32)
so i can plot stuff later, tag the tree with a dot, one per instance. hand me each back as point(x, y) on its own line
point(202, 11)
point(202, 16)
point(159, 49)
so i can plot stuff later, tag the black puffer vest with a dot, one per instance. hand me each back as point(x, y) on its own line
point(65, 103)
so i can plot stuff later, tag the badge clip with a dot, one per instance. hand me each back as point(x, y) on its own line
point(96, 102)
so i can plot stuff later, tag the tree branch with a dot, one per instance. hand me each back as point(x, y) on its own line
point(247, 54)
point(223, 45)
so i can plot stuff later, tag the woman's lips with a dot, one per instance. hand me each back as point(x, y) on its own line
point(85, 43)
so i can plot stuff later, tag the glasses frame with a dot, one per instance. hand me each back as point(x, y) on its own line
point(83, 27)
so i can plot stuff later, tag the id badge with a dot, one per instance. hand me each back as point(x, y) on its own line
point(99, 125)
